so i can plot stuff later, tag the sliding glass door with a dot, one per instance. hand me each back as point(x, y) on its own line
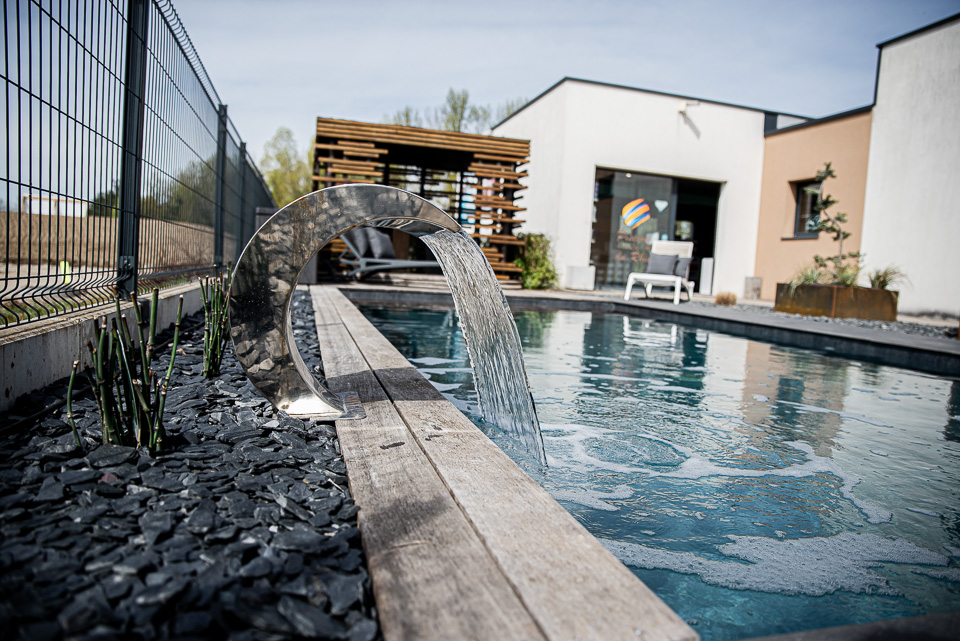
point(631, 210)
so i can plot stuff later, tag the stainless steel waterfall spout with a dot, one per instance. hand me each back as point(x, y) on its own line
point(267, 272)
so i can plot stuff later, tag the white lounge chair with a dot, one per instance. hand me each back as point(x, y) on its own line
point(370, 250)
point(676, 278)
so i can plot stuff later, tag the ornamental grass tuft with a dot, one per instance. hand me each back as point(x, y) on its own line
point(130, 394)
point(215, 292)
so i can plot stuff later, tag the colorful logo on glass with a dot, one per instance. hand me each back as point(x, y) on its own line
point(635, 213)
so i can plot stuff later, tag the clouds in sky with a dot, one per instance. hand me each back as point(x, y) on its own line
point(285, 62)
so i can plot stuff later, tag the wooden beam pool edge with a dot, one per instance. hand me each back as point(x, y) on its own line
point(569, 583)
point(422, 554)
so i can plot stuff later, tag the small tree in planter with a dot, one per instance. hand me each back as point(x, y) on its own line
point(842, 272)
point(829, 286)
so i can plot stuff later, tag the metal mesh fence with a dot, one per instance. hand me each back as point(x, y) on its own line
point(122, 170)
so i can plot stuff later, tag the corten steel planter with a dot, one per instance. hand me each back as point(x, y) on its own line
point(837, 301)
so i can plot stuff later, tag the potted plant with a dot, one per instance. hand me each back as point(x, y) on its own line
point(829, 286)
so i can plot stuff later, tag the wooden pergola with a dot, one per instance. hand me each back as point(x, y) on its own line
point(472, 177)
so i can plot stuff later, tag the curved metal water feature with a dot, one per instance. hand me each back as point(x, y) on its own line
point(267, 272)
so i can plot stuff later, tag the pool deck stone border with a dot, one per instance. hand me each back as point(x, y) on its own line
point(460, 542)
point(931, 355)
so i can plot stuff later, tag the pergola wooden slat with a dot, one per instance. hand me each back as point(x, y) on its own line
point(471, 176)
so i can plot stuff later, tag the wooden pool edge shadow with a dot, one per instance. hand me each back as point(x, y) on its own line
point(460, 542)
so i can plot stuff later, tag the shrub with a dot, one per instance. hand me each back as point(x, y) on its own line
point(887, 277)
point(809, 275)
point(727, 299)
point(538, 271)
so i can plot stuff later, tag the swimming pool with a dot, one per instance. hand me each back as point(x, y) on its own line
point(756, 488)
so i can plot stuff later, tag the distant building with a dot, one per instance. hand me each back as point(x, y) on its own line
point(53, 206)
point(730, 178)
point(595, 147)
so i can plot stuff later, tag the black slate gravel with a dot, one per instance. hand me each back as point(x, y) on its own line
point(243, 529)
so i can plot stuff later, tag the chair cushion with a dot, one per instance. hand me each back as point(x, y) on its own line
point(358, 238)
point(381, 245)
point(661, 263)
point(682, 268)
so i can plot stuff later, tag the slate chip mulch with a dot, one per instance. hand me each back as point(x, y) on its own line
point(243, 529)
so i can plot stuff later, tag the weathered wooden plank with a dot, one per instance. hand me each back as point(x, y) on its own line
point(372, 151)
point(498, 186)
point(337, 180)
point(353, 171)
point(432, 576)
point(505, 267)
point(350, 131)
point(516, 159)
point(497, 239)
point(498, 205)
point(573, 587)
point(356, 143)
point(486, 173)
point(359, 164)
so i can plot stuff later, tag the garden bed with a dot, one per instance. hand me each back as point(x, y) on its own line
point(243, 529)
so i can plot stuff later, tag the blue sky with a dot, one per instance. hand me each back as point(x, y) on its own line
point(285, 62)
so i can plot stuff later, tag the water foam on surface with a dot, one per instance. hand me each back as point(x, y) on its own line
point(950, 574)
point(593, 498)
point(693, 467)
point(698, 467)
point(812, 566)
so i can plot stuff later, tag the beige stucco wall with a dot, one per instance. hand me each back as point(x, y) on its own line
point(795, 156)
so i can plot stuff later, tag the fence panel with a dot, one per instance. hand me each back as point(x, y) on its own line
point(67, 111)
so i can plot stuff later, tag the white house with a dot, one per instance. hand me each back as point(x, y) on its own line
point(912, 202)
point(698, 167)
point(596, 147)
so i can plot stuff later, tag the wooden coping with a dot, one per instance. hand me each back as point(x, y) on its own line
point(460, 542)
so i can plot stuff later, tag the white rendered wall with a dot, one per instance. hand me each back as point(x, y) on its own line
point(910, 216)
point(580, 126)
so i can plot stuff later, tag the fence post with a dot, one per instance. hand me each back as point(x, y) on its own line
point(128, 227)
point(221, 177)
point(242, 214)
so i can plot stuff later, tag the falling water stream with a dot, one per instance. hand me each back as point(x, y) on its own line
point(492, 339)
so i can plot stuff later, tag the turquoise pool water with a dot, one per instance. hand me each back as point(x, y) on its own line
point(757, 489)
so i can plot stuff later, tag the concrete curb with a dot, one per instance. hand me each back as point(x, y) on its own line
point(37, 354)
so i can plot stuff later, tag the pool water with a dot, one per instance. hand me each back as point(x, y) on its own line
point(757, 489)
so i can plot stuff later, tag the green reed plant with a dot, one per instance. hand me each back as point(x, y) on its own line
point(129, 392)
point(215, 292)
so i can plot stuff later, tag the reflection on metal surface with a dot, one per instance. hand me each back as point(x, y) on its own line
point(266, 276)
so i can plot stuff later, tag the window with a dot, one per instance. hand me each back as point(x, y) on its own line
point(806, 218)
